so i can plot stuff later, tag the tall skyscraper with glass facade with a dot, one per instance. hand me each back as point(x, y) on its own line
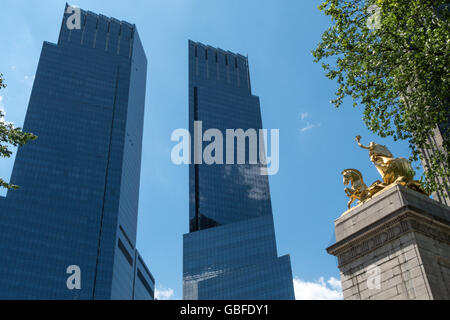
point(230, 251)
point(79, 181)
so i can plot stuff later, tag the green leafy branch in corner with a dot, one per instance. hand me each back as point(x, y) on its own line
point(397, 71)
point(10, 136)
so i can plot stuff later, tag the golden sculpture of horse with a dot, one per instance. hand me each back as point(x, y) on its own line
point(358, 190)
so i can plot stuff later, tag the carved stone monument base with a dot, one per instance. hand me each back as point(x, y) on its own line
point(394, 246)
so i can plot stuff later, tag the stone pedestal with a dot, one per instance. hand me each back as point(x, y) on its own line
point(394, 246)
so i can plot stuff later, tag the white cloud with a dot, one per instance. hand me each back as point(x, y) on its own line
point(250, 175)
point(309, 126)
point(13, 67)
point(164, 294)
point(318, 290)
point(335, 283)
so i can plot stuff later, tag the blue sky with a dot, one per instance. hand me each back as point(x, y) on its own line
point(316, 140)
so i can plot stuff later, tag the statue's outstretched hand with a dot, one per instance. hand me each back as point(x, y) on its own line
point(358, 138)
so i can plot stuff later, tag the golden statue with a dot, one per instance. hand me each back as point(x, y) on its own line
point(392, 170)
point(358, 190)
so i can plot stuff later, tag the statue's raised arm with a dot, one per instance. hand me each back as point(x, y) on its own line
point(375, 150)
point(358, 140)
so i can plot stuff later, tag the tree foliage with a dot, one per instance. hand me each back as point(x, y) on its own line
point(397, 69)
point(10, 136)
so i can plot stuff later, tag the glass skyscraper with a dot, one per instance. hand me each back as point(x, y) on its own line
point(79, 181)
point(230, 251)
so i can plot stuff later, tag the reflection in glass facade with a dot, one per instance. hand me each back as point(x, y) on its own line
point(79, 181)
point(230, 252)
